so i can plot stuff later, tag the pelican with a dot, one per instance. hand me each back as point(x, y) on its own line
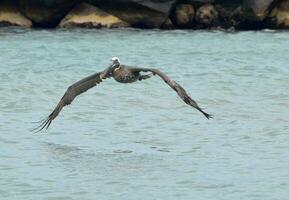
point(122, 74)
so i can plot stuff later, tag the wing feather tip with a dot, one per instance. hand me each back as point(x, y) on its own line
point(44, 124)
point(208, 116)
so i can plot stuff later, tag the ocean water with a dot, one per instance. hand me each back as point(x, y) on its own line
point(140, 141)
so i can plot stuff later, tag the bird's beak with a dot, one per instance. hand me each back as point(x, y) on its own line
point(113, 65)
point(108, 70)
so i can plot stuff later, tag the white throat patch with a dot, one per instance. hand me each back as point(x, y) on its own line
point(117, 68)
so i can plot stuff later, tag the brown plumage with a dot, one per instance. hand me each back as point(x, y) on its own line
point(175, 86)
point(122, 74)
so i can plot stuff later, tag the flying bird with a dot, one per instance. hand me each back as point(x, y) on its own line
point(122, 74)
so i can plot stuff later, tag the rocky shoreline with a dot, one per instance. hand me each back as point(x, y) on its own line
point(149, 14)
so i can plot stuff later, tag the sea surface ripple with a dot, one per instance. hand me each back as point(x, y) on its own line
point(140, 141)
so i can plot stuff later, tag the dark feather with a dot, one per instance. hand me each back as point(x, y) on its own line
point(72, 92)
point(175, 86)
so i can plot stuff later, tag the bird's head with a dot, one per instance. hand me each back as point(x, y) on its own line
point(115, 62)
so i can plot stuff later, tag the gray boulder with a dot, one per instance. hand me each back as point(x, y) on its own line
point(168, 25)
point(86, 15)
point(11, 16)
point(163, 6)
point(46, 13)
point(206, 16)
point(200, 1)
point(256, 10)
point(184, 15)
point(228, 12)
point(138, 13)
point(279, 17)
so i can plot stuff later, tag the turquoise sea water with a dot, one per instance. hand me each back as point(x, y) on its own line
point(140, 141)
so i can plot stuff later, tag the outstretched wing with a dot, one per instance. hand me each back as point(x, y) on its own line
point(175, 86)
point(72, 91)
